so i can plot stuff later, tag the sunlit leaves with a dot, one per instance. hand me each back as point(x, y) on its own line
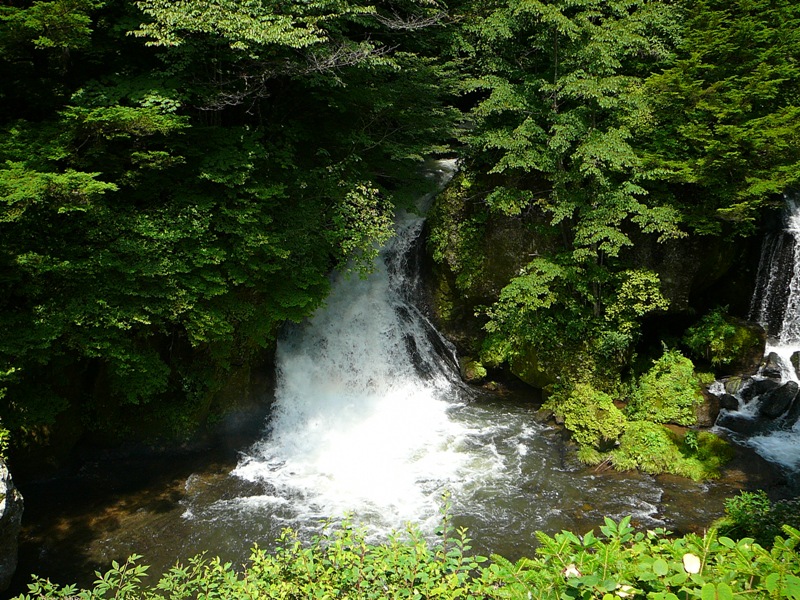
point(564, 103)
point(616, 563)
point(61, 24)
point(242, 23)
point(362, 223)
point(728, 109)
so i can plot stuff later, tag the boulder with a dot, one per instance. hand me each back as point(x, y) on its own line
point(772, 366)
point(530, 369)
point(471, 370)
point(741, 424)
point(792, 416)
point(759, 388)
point(729, 402)
point(776, 402)
point(10, 522)
point(736, 384)
point(795, 360)
point(707, 412)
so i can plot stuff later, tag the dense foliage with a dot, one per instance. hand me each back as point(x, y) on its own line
point(720, 340)
point(616, 563)
point(177, 184)
point(753, 515)
point(634, 435)
point(614, 132)
point(178, 181)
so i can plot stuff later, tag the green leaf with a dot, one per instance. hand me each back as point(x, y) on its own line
point(660, 567)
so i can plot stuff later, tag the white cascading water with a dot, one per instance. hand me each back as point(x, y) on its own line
point(371, 418)
point(776, 306)
point(360, 418)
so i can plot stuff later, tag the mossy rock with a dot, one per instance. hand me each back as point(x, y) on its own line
point(730, 345)
point(472, 371)
point(657, 449)
point(590, 415)
point(530, 369)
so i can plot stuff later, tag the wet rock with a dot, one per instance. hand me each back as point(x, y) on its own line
point(10, 521)
point(773, 366)
point(776, 402)
point(735, 385)
point(795, 360)
point(759, 388)
point(707, 412)
point(742, 425)
point(792, 416)
point(729, 402)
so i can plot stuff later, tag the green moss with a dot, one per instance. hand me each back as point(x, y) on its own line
point(589, 414)
point(654, 449)
point(472, 370)
point(667, 393)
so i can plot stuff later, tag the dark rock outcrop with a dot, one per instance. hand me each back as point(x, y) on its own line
point(773, 366)
point(776, 402)
point(10, 521)
point(741, 424)
point(707, 412)
point(729, 402)
point(795, 360)
point(793, 414)
point(759, 387)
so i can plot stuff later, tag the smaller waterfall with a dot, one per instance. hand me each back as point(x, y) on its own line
point(776, 299)
point(768, 415)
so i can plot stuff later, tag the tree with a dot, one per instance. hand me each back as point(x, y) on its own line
point(183, 184)
point(728, 111)
point(559, 114)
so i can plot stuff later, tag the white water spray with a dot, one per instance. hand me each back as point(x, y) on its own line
point(361, 417)
point(776, 306)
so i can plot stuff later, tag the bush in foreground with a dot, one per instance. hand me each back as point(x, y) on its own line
point(751, 514)
point(616, 564)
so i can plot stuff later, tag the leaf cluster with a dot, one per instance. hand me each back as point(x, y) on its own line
point(753, 515)
point(618, 562)
point(668, 392)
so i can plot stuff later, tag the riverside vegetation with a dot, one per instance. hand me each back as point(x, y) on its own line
point(617, 563)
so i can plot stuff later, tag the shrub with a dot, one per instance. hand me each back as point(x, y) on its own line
point(589, 414)
point(719, 340)
point(615, 563)
point(655, 449)
point(668, 392)
point(751, 514)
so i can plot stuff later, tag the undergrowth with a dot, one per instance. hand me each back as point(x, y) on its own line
point(615, 563)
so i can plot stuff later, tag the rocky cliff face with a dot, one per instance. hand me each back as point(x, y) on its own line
point(10, 522)
point(476, 254)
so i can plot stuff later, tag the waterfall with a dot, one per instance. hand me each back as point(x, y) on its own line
point(371, 418)
point(364, 390)
point(767, 415)
point(776, 298)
